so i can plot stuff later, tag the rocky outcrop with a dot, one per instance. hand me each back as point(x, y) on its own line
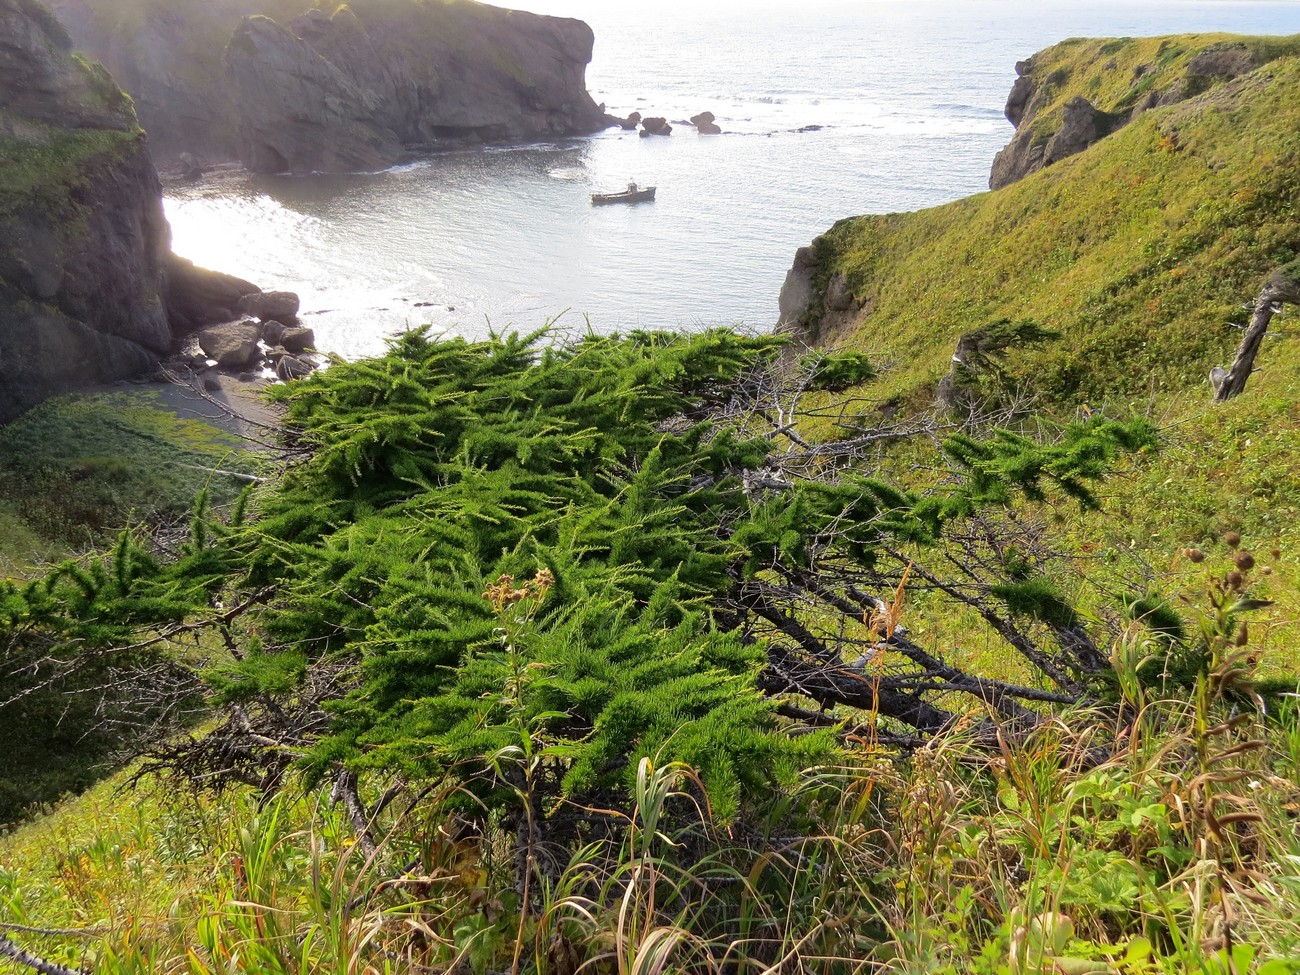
point(280, 306)
point(811, 313)
point(1081, 125)
point(83, 239)
point(706, 124)
point(656, 126)
point(288, 90)
point(232, 345)
point(197, 296)
point(89, 288)
point(1067, 97)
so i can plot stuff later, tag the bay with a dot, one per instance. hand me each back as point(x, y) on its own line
point(900, 104)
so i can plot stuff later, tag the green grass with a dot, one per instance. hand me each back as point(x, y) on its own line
point(76, 470)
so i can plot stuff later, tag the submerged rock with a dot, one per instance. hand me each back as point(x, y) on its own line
point(656, 126)
point(705, 124)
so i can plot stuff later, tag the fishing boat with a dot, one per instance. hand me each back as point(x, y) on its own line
point(633, 194)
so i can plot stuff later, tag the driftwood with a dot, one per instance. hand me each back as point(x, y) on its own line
point(1283, 286)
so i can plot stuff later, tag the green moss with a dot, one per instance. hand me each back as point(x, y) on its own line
point(46, 173)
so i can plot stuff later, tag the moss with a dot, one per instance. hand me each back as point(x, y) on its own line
point(47, 174)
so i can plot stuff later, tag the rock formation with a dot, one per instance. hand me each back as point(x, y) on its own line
point(343, 91)
point(706, 124)
point(89, 289)
point(656, 126)
point(83, 240)
point(1054, 119)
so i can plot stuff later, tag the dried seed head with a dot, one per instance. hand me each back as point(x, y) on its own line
point(1266, 570)
point(1275, 552)
point(1194, 555)
point(1235, 579)
point(1231, 539)
point(1244, 561)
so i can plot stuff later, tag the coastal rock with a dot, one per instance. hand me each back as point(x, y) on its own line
point(233, 345)
point(190, 168)
point(271, 332)
point(340, 91)
point(291, 367)
point(82, 233)
point(798, 290)
point(705, 123)
point(656, 126)
point(281, 306)
point(198, 297)
point(298, 112)
point(298, 338)
point(631, 122)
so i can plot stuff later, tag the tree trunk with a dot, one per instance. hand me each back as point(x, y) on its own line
point(1279, 288)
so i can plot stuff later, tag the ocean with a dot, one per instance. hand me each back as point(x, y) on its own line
point(905, 103)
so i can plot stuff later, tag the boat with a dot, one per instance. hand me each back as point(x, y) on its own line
point(633, 194)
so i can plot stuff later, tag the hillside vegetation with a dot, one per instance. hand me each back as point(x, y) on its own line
point(1139, 251)
point(665, 653)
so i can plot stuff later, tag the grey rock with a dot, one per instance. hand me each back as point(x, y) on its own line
point(198, 297)
point(291, 367)
point(298, 338)
point(838, 295)
point(797, 291)
point(271, 332)
point(82, 275)
point(656, 126)
point(268, 305)
point(233, 345)
point(706, 124)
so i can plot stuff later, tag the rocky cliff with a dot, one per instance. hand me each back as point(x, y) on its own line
point(87, 288)
point(1069, 96)
point(83, 241)
point(346, 89)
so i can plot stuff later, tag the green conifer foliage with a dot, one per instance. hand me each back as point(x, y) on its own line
point(443, 466)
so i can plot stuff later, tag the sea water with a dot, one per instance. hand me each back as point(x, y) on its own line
point(829, 108)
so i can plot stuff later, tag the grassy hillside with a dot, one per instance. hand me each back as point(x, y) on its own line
point(1120, 75)
point(1139, 251)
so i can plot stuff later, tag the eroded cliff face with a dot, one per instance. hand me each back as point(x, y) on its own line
point(1067, 97)
point(83, 240)
point(288, 90)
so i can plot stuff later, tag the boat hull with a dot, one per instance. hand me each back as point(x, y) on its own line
point(639, 196)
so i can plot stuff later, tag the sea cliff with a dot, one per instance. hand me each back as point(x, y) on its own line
point(83, 241)
point(89, 288)
point(285, 86)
